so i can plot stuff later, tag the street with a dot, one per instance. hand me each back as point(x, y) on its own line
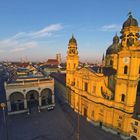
point(57, 124)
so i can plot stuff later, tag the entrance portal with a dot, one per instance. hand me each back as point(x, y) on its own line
point(17, 101)
point(32, 100)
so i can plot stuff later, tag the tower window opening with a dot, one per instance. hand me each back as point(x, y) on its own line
point(135, 130)
point(125, 69)
point(74, 65)
point(111, 62)
point(123, 98)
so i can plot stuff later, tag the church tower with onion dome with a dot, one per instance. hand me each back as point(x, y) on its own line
point(128, 64)
point(72, 61)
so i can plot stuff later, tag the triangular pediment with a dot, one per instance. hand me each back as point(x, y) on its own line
point(87, 73)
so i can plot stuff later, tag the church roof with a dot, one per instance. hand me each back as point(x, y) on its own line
point(130, 21)
point(73, 40)
point(114, 47)
point(52, 62)
point(107, 71)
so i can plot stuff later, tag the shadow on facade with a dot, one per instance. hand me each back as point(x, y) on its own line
point(137, 110)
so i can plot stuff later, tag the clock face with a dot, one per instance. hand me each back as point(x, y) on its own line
point(126, 60)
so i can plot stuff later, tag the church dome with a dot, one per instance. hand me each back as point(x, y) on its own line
point(114, 48)
point(116, 39)
point(73, 40)
point(130, 22)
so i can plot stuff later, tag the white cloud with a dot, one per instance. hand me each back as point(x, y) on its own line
point(22, 40)
point(1, 51)
point(7, 43)
point(47, 31)
point(24, 46)
point(111, 27)
point(17, 49)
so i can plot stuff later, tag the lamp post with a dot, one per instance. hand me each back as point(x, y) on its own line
point(3, 105)
point(78, 120)
point(78, 125)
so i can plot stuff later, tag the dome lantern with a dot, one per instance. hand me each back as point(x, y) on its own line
point(130, 21)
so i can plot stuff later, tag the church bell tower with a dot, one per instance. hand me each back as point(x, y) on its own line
point(72, 61)
point(128, 64)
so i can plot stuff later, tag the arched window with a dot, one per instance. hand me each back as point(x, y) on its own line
point(111, 62)
point(123, 98)
point(125, 69)
point(74, 65)
point(133, 138)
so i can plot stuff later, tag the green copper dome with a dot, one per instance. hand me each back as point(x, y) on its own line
point(130, 22)
point(73, 40)
point(114, 48)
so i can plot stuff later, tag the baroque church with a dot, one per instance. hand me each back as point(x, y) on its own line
point(109, 96)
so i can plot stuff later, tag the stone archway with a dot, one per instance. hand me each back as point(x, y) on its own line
point(32, 97)
point(46, 97)
point(133, 138)
point(17, 101)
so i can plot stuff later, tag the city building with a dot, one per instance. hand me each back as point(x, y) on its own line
point(27, 93)
point(58, 57)
point(53, 62)
point(107, 95)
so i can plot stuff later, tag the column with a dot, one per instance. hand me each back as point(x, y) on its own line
point(40, 102)
point(9, 106)
point(53, 100)
point(25, 103)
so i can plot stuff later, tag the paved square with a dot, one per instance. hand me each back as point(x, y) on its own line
point(57, 124)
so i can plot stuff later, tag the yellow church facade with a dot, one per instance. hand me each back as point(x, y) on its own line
point(107, 95)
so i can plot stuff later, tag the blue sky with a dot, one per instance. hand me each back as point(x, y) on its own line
point(38, 29)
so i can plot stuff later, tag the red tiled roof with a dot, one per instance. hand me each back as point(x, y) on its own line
point(52, 62)
point(20, 64)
